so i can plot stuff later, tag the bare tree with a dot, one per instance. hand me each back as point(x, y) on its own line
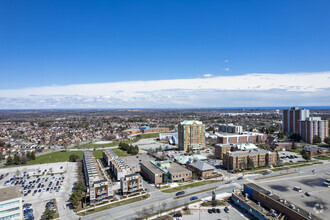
point(151, 209)
point(139, 213)
point(18, 173)
point(144, 212)
point(174, 205)
point(163, 205)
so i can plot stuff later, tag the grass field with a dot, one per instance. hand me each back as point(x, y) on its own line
point(151, 135)
point(191, 185)
point(93, 145)
point(61, 156)
point(120, 153)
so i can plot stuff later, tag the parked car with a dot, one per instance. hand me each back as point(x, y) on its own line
point(209, 211)
point(226, 209)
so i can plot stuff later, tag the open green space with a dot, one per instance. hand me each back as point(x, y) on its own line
point(191, 185)
point(61, 156)
point(120, 153)
point(93, 145)
point(151, 135)
point(115, 204)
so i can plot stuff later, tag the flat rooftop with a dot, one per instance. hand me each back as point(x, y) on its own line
point(8, 193)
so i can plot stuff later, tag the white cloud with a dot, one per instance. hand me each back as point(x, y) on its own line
point(227, 69)
point(241, 90)
point(226, 61)
point(208, 75)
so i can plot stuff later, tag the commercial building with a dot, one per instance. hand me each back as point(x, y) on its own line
point(164, 171)
point(245, 137)
point(201, 168)
point(98, 186)
point(191, 135)
point(230, 128)
point(240, 159)
point(313, 126)
point(272, 202)
point(117, 167)
point(291, 117)
point(313, 150)
point(221, 149)
point(154, 130)
point(11, 203)
point(131, 183)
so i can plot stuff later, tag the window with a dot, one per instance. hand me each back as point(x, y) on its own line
point(9, 217)
point(9, 203)
point(9, 210)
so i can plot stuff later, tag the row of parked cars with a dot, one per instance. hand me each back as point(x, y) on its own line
point(28, 211)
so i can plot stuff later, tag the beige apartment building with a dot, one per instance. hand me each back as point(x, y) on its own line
point(191, 135)
point(239, 159)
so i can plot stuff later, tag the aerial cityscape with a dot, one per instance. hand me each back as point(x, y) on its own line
point(182, 110)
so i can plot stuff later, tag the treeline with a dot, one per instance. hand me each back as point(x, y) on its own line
point(130, 149)
point(78, 194)
point(17, 160)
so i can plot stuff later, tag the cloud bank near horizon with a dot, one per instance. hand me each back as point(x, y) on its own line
point(262, 89)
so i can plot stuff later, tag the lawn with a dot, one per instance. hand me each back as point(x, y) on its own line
point(93, 145)
point(120, 153)
point(191, 185)
point(120, 203)
point(61, 156)
point(151, 135)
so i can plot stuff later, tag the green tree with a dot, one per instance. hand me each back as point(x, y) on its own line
point(293, 146)
point(306, 156)
point(280, 135)
point(316, 139)
point(81, 186)
point(295, 137)
point(48, 214)
point(17, 159)
point(73, 158)
point(327, 140)
point(250, 162)
point(75, 198)
point(28, 155)
point(9, 161)
point(33, 156)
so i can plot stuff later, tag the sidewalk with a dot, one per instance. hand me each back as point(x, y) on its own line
point(109, 203)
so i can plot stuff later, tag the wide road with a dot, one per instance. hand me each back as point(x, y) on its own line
point(129, 211)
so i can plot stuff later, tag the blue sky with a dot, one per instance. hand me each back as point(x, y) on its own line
point(48, 43)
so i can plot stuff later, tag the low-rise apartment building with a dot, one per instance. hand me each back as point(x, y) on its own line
point(221, 149)
point(164, 171)
point(99, 187)
point(117, 167)
point(131, 183)
point(11, 203)
point(230, 128)
point(240, 159)
point(245, 137)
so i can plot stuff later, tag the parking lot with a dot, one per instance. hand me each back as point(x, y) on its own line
point(204, 213)
point(290, 157)
point(314, 196)
point(41, 183)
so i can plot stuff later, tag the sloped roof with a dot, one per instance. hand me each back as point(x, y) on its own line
point(201, 165)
